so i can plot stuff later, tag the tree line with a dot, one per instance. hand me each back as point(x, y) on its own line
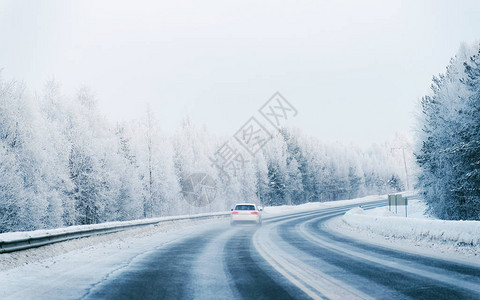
point(62, 163)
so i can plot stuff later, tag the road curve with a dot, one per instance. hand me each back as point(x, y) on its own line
point(290, 257)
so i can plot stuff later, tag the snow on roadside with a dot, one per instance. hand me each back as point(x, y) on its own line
point(416, 209)
point(29, 256)
point(418, 233)
point(11, 236)
point(383, 222)
point(318, 205)
point(69, 269)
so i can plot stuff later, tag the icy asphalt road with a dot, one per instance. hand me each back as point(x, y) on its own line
point(289, 257)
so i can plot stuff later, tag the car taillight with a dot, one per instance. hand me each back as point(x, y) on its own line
point(235, 213)
point(254, 213)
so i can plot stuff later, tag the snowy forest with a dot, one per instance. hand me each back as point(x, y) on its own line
point(62, 163)
point(448, 139)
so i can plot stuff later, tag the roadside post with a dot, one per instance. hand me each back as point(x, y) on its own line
point(406, 205)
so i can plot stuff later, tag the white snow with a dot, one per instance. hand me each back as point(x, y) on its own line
point(69, 269)
point(12, 236)
point(417, 233)
point(384, 222)
point(274, 210)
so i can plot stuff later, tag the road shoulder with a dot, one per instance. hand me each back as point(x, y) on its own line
point(446, 251)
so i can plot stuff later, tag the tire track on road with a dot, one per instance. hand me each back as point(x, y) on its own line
point(163, 274)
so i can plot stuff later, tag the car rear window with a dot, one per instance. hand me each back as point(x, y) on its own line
point(245, 207)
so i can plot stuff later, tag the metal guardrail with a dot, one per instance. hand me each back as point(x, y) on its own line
point(48, 239)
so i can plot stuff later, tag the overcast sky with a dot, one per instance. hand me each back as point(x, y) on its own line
point(353, 69)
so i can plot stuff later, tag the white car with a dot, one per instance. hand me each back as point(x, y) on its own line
point(246, 213)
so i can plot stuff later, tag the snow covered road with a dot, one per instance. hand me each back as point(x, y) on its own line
point(292, 256)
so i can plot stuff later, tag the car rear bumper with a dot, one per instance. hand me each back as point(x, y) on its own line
point(245, 222)
point(237, 219)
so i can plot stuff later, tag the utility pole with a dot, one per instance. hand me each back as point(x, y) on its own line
point(258, 193)
point(404, 163)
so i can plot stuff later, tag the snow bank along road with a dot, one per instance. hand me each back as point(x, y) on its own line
point(292, 256)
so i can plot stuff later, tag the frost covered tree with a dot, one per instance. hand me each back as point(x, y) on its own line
point(448, 142)
point(53, 112)
point(467, 154)
point(24, 168)
point(89, 161)
point(130, 199)
point(155, 158)
point(62, 163)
